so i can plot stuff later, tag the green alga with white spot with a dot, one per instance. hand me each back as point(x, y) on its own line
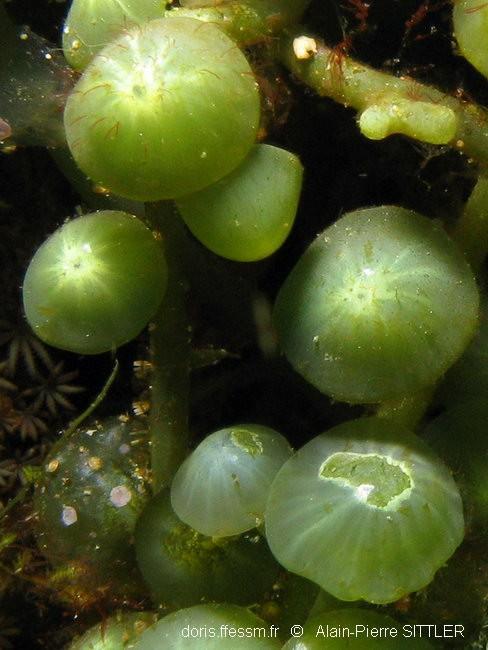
point(365, 510)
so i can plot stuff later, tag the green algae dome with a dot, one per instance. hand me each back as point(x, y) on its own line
point(344, 629)
point(470, 19)
point(95, 283)
point(379, 306)
point(468, 377)
point(183, 568)
point(366, 510)
point(91, 24)
point(222, 487)
point(459, 436)
point(164, 110)
point(88, 501)
point(247, 215)
point(207, 626)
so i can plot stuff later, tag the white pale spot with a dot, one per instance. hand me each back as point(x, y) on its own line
point(363, 491)
point(147, 73)
point(53, 465)
point(368, 272)
point(87, 248)
point(69, 516)
point(304, 47)
point(124, 448)
point(120, 496)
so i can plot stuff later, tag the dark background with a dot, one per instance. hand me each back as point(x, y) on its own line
point(344, 171)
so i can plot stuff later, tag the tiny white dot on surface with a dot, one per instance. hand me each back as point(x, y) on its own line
point(69, 516)
point(363, 491)
point(120, 496)
point(304, 47)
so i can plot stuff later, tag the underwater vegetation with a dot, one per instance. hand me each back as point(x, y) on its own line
point(243, 332)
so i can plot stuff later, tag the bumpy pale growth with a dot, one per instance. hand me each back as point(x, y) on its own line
point(376, 480)
point(425, 121)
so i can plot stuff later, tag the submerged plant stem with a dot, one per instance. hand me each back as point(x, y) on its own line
point(386, 104)
point(18, 498)
point(77, 422)
point(170, 350)
point(389, 104)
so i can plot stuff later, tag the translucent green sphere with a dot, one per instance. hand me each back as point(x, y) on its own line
point(247, 215)
point(470, 18)
point(91, 24)
point(222, 487)
point(164, 110)
point(364, 629)
point(460, 437)
point(468, 377)
point(183, 567)
point(95, 283)
point(213, 627)
point(379, 306)
point(87, 503)
point(366, 510)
